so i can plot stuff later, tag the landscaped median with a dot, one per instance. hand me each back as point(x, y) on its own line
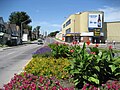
point(69, 67)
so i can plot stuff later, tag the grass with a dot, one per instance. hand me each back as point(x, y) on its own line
point(3, 45)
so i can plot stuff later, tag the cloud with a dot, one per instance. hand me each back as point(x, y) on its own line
point(111, 13)
point(55, 25)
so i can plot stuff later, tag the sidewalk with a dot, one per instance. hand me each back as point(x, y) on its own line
point(81, 44)
point(4, 48)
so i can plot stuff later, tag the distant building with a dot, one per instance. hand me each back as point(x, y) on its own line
point(83, 27)
point(112, 31)
point(3, 33)
point(13, 33)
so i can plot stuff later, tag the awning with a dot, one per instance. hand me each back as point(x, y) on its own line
point(68, 35)
point(72, 34)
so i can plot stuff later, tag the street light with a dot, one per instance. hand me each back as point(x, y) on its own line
point(74, 30)
point(22, 29)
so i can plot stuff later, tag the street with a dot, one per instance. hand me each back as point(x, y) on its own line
point(13, 60)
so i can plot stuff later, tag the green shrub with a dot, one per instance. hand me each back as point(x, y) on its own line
point(48, 67)
point(93, 67)
point(59, 50)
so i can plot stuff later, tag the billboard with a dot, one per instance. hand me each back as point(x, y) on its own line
point(95, 21)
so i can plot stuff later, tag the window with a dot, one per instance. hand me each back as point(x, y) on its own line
point(64, 26)
point(68, 22)
point(1, 28)
point(68, 30)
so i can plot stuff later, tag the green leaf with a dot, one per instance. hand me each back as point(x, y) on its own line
point(112, 67)
point(94, 80)
point(76, 71)
point(98, 69)
point(100, 54)
point(76, 81)
point(117, 74)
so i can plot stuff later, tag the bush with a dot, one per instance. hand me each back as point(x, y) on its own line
point(93, 67)
point(48, 67)
point(59, 50)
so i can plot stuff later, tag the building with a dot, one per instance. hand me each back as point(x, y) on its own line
point(83, 27)
point(4, 36)
point(13, 32)
point(112, 31)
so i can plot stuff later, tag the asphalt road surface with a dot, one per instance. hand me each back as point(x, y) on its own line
point(14, 59)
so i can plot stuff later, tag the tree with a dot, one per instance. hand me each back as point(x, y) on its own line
point(18, 17)
point(38, 32)
point(30, 31)
point(53, 34)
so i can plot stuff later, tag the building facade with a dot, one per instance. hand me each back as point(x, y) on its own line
point(4, 36)
point(112, 31)
point(83, 27)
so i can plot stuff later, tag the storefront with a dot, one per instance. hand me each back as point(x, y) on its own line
point(70, 37)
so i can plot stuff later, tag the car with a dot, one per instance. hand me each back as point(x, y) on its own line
point(40, 42)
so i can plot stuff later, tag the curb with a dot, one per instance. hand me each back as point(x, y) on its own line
point(1, 49)
point(27, 64)
point(24, 66)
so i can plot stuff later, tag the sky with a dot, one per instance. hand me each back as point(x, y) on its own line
point(50, 14)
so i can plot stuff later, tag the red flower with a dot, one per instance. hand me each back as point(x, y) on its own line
point(96, 45)
point(72, 51)
point(110, 47)
point(74, 42)
point(63, 38)
point(88, 42)
point(93, 53)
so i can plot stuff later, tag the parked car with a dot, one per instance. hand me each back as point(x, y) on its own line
point(40, 41)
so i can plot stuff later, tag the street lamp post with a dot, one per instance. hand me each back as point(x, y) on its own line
point(22, 30)
point(74, 30)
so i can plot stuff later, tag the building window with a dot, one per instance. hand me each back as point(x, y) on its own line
point(68, 22)
point(64, 26)
point(1, 28)
point(68, 30)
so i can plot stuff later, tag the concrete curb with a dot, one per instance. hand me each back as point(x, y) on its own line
point(23, 69)
point(1, 49)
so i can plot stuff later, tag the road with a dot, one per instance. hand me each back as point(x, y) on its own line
point(13, 60)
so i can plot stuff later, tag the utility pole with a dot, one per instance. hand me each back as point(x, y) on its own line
point(74, 30)
point(22, 30)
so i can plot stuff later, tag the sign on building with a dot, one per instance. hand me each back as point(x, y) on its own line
point(95, 21)
point(97, 32)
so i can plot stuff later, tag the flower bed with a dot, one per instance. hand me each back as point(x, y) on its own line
point(89, 67)
point(48, 67)
point(45, 51)
point(31, 82)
